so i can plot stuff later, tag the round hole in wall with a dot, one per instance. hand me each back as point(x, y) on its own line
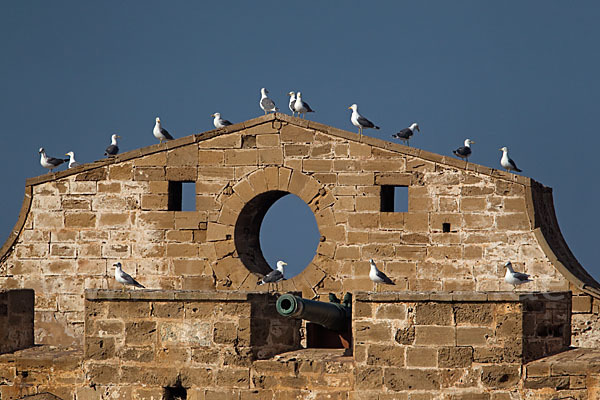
point(276, 225)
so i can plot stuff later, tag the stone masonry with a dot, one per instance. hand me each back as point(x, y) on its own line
point(75, 224)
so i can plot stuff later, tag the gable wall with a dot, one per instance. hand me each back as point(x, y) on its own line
point(79, 224)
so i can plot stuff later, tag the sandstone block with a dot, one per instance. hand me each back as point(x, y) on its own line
point(385, 355)
point(270, 156)
point(80, 220)
point(357, 178)
point(120, 172)
point(182, 174)
point(183, 156)
point(398, 379)
point(157, 219)
point(210, 173)
point(455, 357)
point(233, 378)
point(473, 314)
point(359, 150)
point(291, 133)
point(155, 202)
point(416, 222)
point(373, 331)
point(500, 376)
point(423, 357)
point(369, 377)
point(434, 314)
point(478, 221)
point(513, 222)
point(52, 220)
point(435, 335)
point(473, 204)
point(228, 141)
point(241, 157)
point(473, 336)
point(149, 174)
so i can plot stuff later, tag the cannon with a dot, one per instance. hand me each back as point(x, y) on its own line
point(334, 315)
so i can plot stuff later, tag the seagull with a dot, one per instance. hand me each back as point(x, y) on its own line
point(515, 278)
point(161, 133)
point(377, 276)
point(219, 122)
point(50, 162)
point(113, 149)
point(292, 103)
point(274, 276)
point(125, 278)
point(506, 162)
point(300, 106)
point(464, 151)
point(72, 162)
point(360, 121)
point(406, 133)
point(266, 103)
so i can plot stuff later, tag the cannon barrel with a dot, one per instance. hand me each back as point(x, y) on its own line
point(332, 316)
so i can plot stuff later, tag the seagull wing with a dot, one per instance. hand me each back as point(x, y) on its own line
point(307, 107)
point(513, 165)
point(111, 150)
point(225, 122)
point(403, 134)
point(462, 151)
point(365, 123)
point(267, 104)
point(271, 277)
point(130, 281)
point(521, 276)
point(56, 161)
point(384, 278)
point(166, 134)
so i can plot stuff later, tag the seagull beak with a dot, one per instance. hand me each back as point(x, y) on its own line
point(500, 149)
point(284, 263)
point(349, 108)
point(472, 141)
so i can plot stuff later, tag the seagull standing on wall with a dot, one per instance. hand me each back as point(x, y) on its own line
point(219, 122)
point(266, 103)
point(292, 103)
point(124, 278)
point(72, 162)
point(464, 151)
point(506, 162)
point(49, 162)
point(360, 121)
point(112, 149)
point(406, 133)
point(161, 133)
point(274, 276)
point(300, 106)
point(515, 278)
point(377, 276)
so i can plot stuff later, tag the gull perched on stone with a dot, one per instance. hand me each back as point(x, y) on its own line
point(50, 162)
point(219, 122)
point(515, 278)
point(266, 103)
point(464, 151)
point(406, 133)
point(360, 121)
point(72, 162)
point(274, 276)
point(506, 162)
point(112, 149)
point(300, 106)
point(377, 276)
point(124, 278)
point(292, 103)
point(161, 133)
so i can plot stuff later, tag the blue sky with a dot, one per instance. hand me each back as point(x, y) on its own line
point(511, 73)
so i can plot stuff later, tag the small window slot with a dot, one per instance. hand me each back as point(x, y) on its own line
point(182, 196)
point(446, 227)
point(394, 198)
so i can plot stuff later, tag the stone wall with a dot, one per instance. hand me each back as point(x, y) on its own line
point(16, 319)
point(75, 224)
point(454, 345)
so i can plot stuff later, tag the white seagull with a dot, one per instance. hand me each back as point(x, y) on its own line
point(219, 122)
point(50, 162)
point(406, 133)
point(360, 121)
point(515, 278)
point(506, 162)
point(292, 103)
point(300, 106)
point(124, 278)
point(266, 103)
point(464, 151)
point(161, 133)
point(72, 162)
point(274, 276)
point(377, 276)
point(112, 149)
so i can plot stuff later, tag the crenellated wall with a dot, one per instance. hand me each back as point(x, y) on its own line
point(75, 224)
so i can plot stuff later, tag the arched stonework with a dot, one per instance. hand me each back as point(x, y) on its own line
point(244, 206)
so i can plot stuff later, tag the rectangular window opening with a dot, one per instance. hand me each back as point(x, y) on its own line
point(182, 196)
point(394, 198)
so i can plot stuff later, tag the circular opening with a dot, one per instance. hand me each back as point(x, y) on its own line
point(289, 232)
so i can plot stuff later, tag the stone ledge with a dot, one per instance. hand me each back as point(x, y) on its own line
point(573, 362)
point(166, 295)
point(455, 296)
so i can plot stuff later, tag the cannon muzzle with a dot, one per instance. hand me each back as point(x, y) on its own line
point(334, 316)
